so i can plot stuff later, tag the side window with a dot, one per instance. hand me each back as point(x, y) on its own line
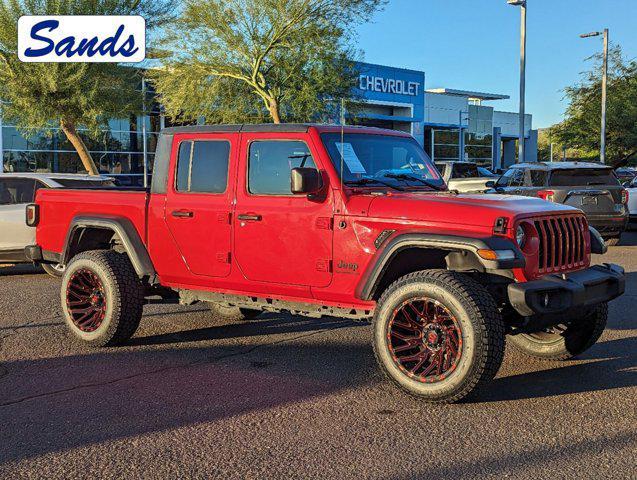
point(270, 163)
point(202, 166)
point(538, 178)
point(6, 198)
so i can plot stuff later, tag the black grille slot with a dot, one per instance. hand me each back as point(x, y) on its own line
point(562, 245)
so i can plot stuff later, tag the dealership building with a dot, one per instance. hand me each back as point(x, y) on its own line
point(450, 124)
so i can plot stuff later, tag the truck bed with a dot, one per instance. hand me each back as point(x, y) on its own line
point(58, 207)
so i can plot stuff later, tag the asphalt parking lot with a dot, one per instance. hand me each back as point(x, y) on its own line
point(288, 397)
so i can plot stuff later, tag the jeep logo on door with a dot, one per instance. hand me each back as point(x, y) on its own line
point(79, 38)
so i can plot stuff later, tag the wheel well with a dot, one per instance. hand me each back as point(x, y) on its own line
point(409, 260)
point(91, 238)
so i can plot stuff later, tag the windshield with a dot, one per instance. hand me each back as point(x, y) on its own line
point(583, 176)
point(381, 160)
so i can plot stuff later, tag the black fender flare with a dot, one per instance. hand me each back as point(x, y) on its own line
point(452, 243)
point(124, 229)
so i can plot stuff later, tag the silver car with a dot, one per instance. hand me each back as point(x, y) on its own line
point(17, 190)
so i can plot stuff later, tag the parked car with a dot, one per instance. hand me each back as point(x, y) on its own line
point(625, 174)
point(591, 187)
point(332, 221)
point(466, 177)
point(17, 190)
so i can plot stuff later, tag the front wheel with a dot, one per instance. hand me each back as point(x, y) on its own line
point(102, 297)
point(564, 341)
point(233, 314)
point(55, 270)
point(438, 335)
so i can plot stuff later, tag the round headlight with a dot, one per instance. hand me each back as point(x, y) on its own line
point(520, 236)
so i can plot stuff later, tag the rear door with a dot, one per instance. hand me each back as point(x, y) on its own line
point(596, 191)
point(281, 238)
point(15, 194)
point(199, 200)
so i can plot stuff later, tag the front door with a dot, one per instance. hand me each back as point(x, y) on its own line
point(198, 202)
point(281, 238)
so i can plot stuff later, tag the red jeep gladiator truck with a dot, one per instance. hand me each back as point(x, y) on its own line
point(328, 221)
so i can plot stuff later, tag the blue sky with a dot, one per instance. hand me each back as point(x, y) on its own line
point(474, 45)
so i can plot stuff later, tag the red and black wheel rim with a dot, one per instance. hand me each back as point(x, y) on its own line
point(424, 339)
point(86, 300)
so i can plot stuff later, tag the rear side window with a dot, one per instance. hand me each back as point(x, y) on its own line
point(583, 177)
point(14, 191)
point(202, 166)
point(538, 178)
point(465, 170)
point(270, 164)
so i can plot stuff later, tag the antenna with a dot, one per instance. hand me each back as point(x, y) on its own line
point(342, 139)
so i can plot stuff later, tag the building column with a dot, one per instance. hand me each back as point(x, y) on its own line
point(530, 147)
point(508, 153)
point(496, 149)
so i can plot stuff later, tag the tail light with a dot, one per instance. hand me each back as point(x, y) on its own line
point(32, 214)
point(625, 196)
point(547, 195)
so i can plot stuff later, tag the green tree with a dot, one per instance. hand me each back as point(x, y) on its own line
point(254, 60)
point(69, 95)
point(581, 128)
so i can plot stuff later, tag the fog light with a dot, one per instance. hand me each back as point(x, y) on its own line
point(547, 300)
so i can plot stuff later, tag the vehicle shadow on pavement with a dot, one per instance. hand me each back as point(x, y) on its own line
point(264, 325)
point(22, 269)
point(69, 402)
point(508, 465)
point(608, 365)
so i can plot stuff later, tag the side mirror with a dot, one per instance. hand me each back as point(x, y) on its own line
point(490, 184)
point(305, 181)
point(627, 183)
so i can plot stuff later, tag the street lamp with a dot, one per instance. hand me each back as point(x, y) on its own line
point(602, 145)
point(522, 5)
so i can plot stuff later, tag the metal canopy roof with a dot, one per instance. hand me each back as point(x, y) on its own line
point(468, 94)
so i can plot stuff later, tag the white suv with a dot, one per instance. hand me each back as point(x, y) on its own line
point(17, 190)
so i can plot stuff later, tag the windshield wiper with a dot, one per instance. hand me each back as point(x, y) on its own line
point(361, 182)
point(406, 176)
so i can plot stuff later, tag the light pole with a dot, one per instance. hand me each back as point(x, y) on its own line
point(602, 143)
point(522, 5)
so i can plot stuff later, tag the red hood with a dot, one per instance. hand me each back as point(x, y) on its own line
point(478, 209)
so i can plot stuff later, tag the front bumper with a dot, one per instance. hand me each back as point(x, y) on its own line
point(559, 293)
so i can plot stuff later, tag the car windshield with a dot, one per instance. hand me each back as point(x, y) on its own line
point(582, 177)
point(382, 160)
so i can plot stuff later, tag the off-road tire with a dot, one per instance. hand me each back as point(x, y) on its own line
point(54, 270)
point(123, 296)
point(612, 241)
point(483, 334)
point(233, 314)
point(577, 338)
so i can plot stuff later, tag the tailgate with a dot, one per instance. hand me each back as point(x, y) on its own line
point(594, 201)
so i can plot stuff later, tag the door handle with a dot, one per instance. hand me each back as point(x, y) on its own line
point(249, 217)
point(183, 214)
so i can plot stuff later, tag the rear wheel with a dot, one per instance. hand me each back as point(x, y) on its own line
point(438, 335)
point(233, 313)
point(55, 270)
point(564, 341)
point(612, 241)
point(102, 297)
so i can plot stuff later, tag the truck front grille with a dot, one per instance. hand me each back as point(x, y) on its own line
point(562, 244)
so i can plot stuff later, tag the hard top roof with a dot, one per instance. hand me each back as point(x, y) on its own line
point(278, 127)
point(561, 165)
